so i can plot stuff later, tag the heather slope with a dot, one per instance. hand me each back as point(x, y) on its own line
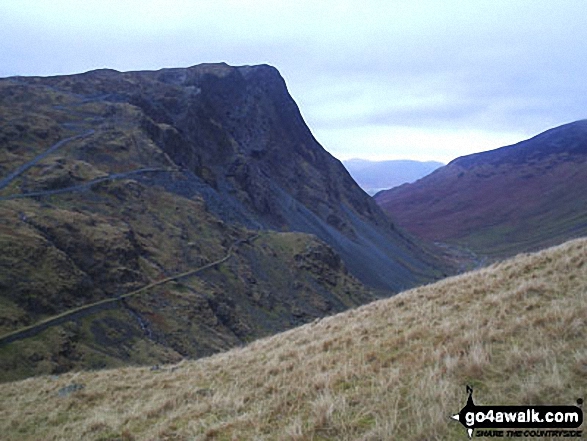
point(517, 198)
point(393, 369)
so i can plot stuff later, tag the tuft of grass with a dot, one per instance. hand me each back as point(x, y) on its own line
point(392, 369)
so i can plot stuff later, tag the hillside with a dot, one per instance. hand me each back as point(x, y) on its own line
point(394, 369)
point(375, 176)
point(116, 183)
point(497, 203)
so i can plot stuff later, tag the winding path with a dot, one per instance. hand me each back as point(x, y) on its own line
point(86, 185)
point(20, 170)
point(111, 303)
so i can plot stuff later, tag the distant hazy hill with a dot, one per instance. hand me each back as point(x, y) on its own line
point(515, 198)
point(374, 176)
point(395, 369)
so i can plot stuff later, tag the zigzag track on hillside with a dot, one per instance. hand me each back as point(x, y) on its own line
point(105, 304)
point(80, 187)
point(114, 302)
point(20, 170)
point(87, 185)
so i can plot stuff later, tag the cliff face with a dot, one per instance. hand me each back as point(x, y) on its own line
point(238, 132)
point(112, 181)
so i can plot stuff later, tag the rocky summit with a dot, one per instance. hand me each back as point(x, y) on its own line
point(151, 216)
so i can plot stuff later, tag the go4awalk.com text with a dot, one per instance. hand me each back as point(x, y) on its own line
point(534, 421)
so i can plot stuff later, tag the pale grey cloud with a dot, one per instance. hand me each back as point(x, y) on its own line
point(423, 78)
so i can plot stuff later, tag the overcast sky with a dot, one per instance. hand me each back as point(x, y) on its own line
point(416, 79)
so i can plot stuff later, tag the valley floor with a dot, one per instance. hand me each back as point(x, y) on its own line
point(515, 331)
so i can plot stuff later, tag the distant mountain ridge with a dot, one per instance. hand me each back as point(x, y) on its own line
point(516, 198)
point(375, 176)
point(568, 140)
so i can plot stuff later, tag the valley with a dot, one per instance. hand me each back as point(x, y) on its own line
point(181, 259)
point(293, 221)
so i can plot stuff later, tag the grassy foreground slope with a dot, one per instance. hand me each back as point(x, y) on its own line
point(393, 369)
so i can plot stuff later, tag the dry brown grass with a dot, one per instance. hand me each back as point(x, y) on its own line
point(393, 369)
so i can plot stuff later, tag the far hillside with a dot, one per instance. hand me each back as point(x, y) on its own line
point(522, 197)
point(394, 369)
point(374, 176)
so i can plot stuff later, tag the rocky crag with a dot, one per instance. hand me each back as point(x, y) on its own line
point(110, 182)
